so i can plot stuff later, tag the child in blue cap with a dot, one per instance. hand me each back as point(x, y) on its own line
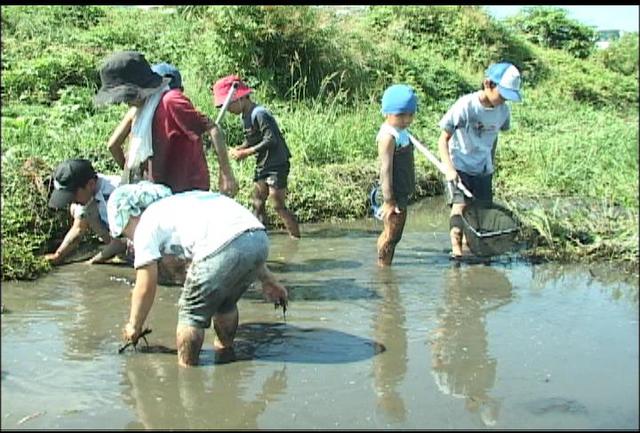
point(469, 138)
point(397, 171)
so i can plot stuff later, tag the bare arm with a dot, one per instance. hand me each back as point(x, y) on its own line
point(386, 149)
point(142, 299)
point(70, 241)
point(271, 288)
point(119, 135)
point(114, 247)
point(227, 182)
point(443, 148)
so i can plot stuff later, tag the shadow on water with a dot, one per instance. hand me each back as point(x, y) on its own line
point(332, 289)
point(329, 289)
point(281, 342)
point(313, 265)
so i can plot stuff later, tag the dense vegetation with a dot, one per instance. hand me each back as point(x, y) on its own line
point(569, 168)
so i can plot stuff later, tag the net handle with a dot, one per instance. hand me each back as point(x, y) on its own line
point(435, 161)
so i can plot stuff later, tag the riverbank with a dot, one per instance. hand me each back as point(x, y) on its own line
point(568, 167)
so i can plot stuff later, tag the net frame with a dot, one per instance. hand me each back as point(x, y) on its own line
point(484, 240)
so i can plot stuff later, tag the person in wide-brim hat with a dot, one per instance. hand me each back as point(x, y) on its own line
point(126, 76)
point(163, 125)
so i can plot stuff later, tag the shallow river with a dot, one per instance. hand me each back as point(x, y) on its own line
point(425, 344)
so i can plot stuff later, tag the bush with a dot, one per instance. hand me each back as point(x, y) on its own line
point(622, 55)
point(40, 79)
point(550, 27)
point(464, 33)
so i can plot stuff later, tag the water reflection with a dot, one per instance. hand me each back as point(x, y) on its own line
point(166, 396)
point(389, 328)
point(461, 364)
point(83, 294)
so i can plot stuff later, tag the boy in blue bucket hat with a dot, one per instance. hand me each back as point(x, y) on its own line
point(168, 70)
point(468, 141)
point(397, 171)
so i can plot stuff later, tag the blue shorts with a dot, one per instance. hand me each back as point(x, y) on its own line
point(214, 284)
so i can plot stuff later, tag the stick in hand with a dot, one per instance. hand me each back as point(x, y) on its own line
point(227, 101)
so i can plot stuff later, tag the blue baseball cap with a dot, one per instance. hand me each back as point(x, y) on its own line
point(167, 70)
point(399, 98)
point(507, 78)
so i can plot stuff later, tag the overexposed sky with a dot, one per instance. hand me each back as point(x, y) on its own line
point(613, 17)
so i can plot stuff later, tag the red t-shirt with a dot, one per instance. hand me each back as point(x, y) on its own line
point(179, 160)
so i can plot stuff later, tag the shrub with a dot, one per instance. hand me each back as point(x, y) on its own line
point(622, 55)
point(550, 27)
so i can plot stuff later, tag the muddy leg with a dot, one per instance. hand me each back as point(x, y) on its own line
point(455, 233)
point(390, 236)
point(278, 198)
point(189, 340)
point(260, 194)
point(225, 326)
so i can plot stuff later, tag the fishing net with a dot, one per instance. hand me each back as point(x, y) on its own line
point(490, 229)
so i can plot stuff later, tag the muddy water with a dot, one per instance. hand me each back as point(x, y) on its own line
point(423, 345)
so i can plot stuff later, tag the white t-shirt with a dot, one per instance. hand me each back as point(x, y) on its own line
point(474, 129)
point(104, 187)
point(190, 225)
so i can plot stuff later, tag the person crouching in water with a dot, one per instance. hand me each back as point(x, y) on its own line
point(227, 247)
point(397, 171)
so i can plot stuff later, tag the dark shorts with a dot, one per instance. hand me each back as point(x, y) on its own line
point(214, 284)
point(275, 177)
point(480, 186)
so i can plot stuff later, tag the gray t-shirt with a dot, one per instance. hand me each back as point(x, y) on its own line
point(474, 129)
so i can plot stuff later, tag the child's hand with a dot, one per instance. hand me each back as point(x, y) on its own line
point(53, 258)
point(239, 154)
point(451, 174)
point(388, 208)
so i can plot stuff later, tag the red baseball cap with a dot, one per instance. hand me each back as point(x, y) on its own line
point(221, 89)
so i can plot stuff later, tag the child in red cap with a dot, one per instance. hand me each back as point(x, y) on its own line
point(263, 138)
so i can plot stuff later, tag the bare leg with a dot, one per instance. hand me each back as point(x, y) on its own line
point(390, 236)
point(456, 232)
point(278, 197)
point(260, 194)
point(189, 340)
point(225, 326)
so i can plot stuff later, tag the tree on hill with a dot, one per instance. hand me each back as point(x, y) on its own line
point(551, 27)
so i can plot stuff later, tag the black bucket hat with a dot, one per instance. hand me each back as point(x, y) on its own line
point(69, 176)
point(126, 76)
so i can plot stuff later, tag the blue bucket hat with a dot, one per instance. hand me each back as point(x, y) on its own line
point(507, 78)
point(168, 70)
point(399, 98)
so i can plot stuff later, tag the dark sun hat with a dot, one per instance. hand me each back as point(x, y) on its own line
point(126, 76)
point(69, 176)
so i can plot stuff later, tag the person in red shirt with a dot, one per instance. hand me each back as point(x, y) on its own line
point(166, 125)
